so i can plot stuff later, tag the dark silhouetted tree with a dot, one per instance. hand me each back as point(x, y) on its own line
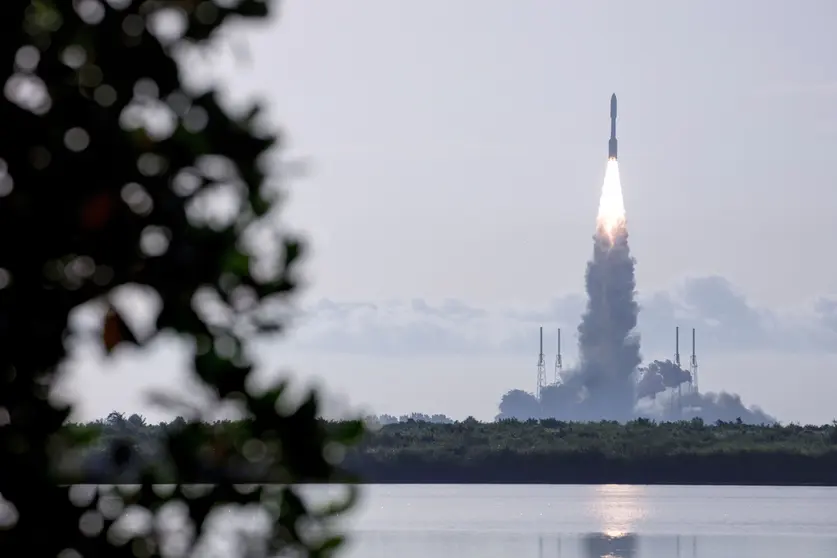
point(95, 202)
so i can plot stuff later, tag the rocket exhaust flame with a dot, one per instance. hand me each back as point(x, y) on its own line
point(611, 218)
point(610, 221)
point(608, 343)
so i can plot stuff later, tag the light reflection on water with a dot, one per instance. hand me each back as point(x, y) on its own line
point(619, 508)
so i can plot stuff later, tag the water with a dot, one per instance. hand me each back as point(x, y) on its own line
point(592, 521)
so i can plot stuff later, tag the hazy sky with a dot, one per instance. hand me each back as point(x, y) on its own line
point(456, 153)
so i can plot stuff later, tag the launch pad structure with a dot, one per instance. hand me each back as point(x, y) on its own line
point(541, 370)
point(678, 400)
point(677, 396)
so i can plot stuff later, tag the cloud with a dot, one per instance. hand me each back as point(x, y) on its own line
point(724, 319)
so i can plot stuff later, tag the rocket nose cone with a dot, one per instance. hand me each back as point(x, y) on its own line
point(613, 106)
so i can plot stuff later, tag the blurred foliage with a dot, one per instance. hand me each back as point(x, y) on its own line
point(550, 450)
point(110, 174)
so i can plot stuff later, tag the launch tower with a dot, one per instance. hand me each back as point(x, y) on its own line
point(541, 370)
point(693, 366)
point(677, 364)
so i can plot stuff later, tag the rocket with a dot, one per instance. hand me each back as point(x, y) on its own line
point(612, 144)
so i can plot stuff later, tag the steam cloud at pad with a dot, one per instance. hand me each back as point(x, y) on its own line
point(609, 382)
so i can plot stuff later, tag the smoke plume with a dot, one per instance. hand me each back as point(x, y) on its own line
point(608, 345)
point(659, 376)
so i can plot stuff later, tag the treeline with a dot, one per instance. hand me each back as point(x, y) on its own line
point(546, 451)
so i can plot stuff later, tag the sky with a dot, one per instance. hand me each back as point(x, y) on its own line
point(454, 153)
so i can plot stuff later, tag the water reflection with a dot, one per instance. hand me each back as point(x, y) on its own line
point(619, 508)
point(603, 545)
point(606, 545)
point(591, 545)
point(599, 545)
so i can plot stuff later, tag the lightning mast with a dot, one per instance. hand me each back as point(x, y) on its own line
point(693, 365)
point(559, 362)
point(677, 364)
point(541, 370)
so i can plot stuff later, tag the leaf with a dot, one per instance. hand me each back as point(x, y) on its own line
point(328, 546)
point(237, 263)
point(97, 211)
point(115, 330)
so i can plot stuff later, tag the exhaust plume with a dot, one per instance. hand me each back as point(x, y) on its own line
point(610, 220)
point(602, 385)
point(607, 383)
point(608, 345)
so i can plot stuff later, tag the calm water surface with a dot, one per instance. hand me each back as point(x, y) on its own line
point(408, 521)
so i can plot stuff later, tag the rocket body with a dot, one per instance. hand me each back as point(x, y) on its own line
point(612, 145)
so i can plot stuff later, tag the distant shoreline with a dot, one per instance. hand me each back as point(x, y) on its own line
point(776, 470)
point(640, 452)
point(95, 482)
point(812, 477)
point(397, 481)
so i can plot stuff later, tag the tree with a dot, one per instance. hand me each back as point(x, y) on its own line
point(96, 205)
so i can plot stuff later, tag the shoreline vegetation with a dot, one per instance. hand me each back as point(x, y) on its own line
point(118, 450)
